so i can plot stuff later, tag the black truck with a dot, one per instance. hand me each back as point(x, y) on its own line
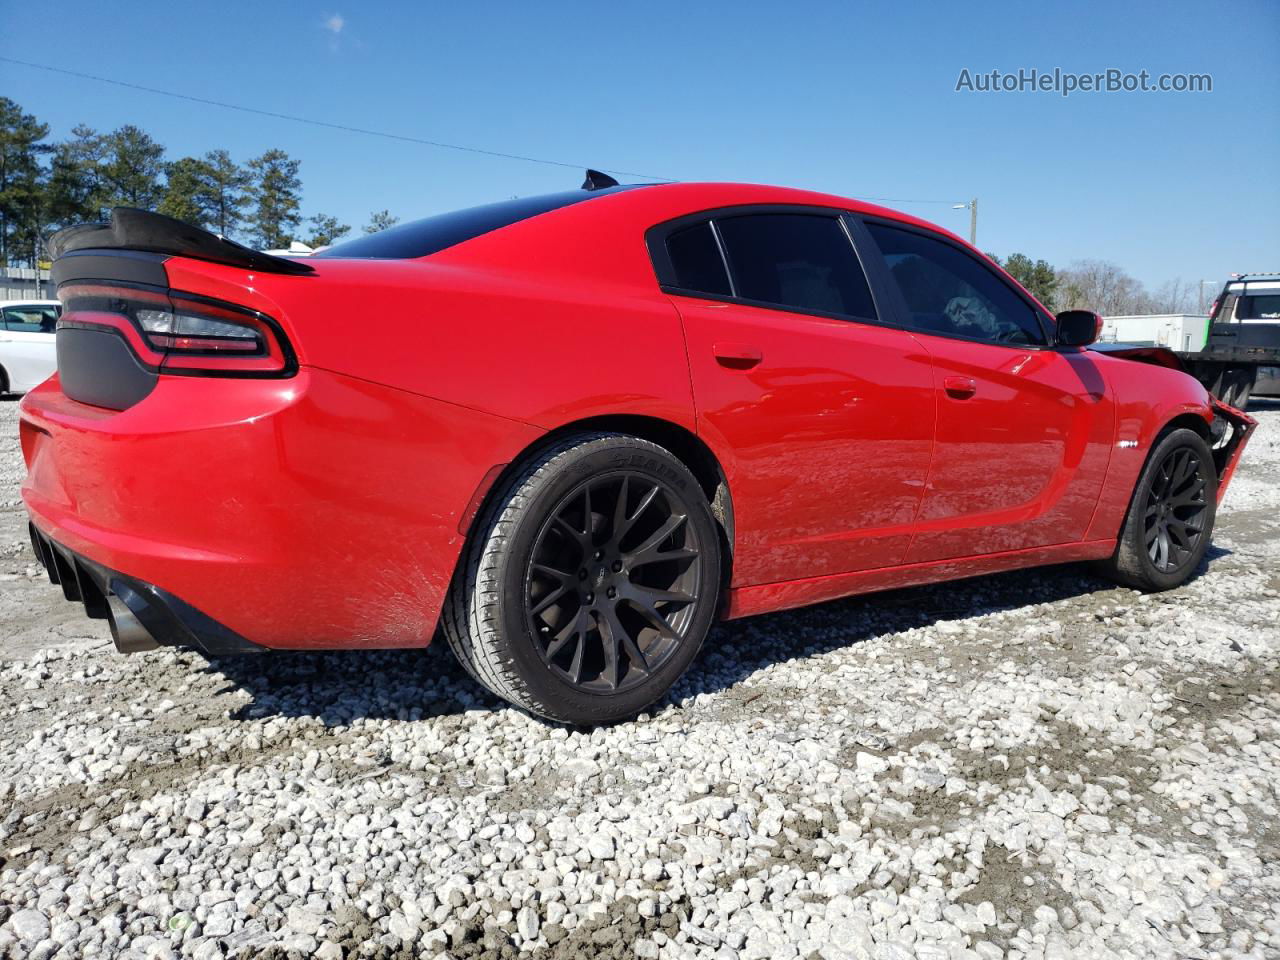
point(1241, 355)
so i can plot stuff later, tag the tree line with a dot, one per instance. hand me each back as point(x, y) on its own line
point(46, 185)
point(1098, 285)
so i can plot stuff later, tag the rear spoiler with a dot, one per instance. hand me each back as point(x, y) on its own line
point(147, 232)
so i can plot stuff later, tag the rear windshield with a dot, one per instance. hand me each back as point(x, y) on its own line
point(421, 238)
point(1259, 306)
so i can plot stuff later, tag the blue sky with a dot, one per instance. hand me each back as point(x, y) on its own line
point(853, 98)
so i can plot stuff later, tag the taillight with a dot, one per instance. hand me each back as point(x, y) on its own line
point(176, 332)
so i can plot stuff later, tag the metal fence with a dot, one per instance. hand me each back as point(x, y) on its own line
point(25, 283)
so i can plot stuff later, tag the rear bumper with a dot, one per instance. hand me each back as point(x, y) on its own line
point(142, 616)
point(317, 512)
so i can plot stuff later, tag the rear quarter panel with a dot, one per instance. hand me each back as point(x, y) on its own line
point(541, 350)
point(1147, 398)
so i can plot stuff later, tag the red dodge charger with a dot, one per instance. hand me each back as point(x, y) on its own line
point(571, 430)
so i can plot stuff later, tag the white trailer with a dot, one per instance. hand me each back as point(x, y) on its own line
point(1183, 332)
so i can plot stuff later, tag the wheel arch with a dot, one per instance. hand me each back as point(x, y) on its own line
point(684, 445)
point(1191, 421)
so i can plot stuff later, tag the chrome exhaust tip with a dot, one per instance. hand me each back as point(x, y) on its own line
point(127, 630)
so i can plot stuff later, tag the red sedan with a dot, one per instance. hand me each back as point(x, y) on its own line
point(569, 431)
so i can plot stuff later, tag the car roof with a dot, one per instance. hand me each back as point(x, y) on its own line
point(599, 237)
point(29, 303)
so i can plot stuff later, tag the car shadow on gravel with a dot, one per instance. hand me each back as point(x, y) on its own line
point(340, 687)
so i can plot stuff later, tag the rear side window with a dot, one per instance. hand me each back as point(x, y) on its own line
point(801, 261)
point(696, 262)
point(30, 319)
point(949, 292)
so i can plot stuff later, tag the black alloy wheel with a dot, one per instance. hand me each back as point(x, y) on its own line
point(1176, 504)
point(612, 582)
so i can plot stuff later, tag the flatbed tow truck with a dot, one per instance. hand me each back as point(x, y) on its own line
point(1241, 354)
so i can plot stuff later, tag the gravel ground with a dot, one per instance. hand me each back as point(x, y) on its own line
point(1030, 765)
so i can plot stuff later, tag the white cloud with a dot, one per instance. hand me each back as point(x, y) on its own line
point(335, 23)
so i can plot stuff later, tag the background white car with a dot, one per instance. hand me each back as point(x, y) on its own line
point(26, 343)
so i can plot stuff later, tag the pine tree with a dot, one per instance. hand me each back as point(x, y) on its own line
point(131, 171)
point(326, 230)
point(74, 188)
point(228, 191)
point(380, 221)
point(21, 186)
point(276, 197)
point(187, 192)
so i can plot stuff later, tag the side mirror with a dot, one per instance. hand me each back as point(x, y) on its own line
point(1078, 328)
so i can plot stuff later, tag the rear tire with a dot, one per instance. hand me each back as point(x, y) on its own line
point(1235, 386)
point(589, 581)
point(1170, 519)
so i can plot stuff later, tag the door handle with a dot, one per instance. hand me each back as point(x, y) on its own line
point(961, 388)
point(736, 356)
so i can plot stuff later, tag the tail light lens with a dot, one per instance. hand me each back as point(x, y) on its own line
point(176, 332)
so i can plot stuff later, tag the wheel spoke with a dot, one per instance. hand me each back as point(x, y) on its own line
point(657, 620)
point(1152, 532)
point(612, 634)
point(652, 595)
point(575, 668)
point(644, 504)
point(574, 628)
point(620, 510)
point(681, 553)
point(549, 599)
point(571, 531)
point(1190, 495)
point(564, 576)
point(655, 539)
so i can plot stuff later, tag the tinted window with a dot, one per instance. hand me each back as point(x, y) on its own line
point(696, 261)
point(31, 319)
point(421, 238)
point(949, 292)
point(796, 260)
point(1265, 306)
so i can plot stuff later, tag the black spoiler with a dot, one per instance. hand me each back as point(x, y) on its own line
point(148, 232)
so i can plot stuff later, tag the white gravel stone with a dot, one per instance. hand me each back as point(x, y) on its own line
point(1034, 765)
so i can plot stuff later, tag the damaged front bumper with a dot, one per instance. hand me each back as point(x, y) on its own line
point(142, 616)
point(1230, 431)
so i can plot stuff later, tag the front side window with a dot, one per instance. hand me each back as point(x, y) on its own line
point(30, 319)
point(950, 293)
point(801, 261)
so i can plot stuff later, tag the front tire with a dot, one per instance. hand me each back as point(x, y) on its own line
point(589, 582)
point(1170, 519)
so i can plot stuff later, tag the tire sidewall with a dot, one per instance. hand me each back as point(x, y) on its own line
point(597, 459)
point(1135, 528)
